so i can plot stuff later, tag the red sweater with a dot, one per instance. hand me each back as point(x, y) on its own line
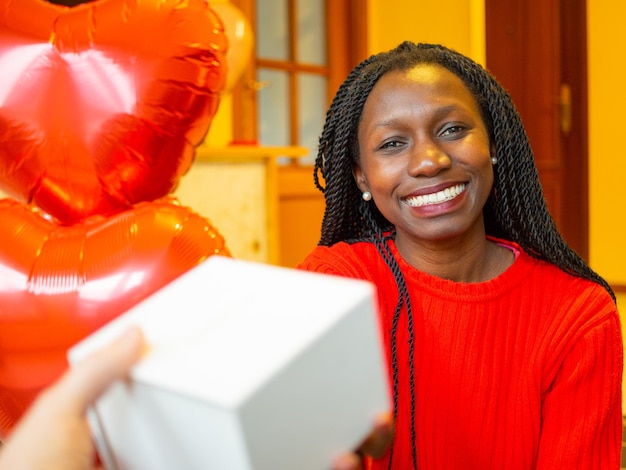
point(520, 372)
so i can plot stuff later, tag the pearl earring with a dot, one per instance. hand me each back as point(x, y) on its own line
point(366, 195)
point(494, 160)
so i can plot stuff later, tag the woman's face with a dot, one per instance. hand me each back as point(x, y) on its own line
point(424, 154)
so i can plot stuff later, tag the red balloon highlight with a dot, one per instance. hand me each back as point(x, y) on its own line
point(103, 104)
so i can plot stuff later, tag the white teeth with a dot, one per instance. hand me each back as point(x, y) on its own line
point(436, 198)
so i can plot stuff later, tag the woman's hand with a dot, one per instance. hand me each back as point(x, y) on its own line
point(374, 446)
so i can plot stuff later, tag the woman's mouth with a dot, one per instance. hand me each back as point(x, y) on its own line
point(437, 197)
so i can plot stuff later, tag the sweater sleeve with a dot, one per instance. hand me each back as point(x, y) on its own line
point(581, 412)
point(339, 260)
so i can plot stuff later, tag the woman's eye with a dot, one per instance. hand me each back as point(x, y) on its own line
point(451, 130)
point(392, 144)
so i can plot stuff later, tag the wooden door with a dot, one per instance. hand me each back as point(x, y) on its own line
point(537, 50)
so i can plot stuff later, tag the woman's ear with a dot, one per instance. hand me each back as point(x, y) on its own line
point(492, 151)
point(359, 177)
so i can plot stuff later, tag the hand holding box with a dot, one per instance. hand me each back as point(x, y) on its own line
point(249, 366)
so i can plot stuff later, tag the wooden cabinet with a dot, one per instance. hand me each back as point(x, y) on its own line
point(236, 188)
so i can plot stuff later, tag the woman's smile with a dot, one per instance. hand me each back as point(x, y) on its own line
point(437, 197)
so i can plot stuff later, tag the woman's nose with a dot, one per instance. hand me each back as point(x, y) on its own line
point(427, 159)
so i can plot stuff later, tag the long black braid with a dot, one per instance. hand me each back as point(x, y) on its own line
point(516, 209)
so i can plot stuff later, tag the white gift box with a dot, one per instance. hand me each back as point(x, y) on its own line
point(248, 366)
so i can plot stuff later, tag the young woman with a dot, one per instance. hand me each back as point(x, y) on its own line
point(504, 347)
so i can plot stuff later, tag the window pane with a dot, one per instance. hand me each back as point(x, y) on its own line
point(272, 26)
point(312, 110)
point(274, 108)
point(311, 40)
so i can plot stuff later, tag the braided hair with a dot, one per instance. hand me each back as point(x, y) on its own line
point(515, 210)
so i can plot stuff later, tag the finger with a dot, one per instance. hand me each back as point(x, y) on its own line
point(83, 384)
point(348, 462)
point(379, 440)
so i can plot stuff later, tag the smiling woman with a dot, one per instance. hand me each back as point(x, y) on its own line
point(504, 347)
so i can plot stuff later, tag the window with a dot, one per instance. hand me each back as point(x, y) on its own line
point(303, 50)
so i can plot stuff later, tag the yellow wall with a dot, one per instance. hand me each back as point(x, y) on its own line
point(607, 162)
point(607, 155)
point(459, 25)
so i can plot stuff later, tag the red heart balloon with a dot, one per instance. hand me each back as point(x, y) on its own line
point(103, 104)
point(60, 283)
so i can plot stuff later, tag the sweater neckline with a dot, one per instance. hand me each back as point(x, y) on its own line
point(470, 291)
